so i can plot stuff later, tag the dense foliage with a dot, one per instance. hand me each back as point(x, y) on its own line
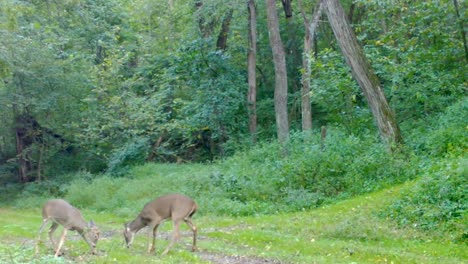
point(107, 84)
point(438, 201)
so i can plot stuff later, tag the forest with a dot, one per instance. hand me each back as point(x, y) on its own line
point(337, 125)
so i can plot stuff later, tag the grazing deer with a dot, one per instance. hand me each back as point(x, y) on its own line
point(176, 207)
point(62, 213)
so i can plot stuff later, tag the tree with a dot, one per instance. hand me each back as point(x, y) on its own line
point(281, 79)
point(293, 59)
point(46, 71)
point(363, 73)
point(251, 65)
point(310, 27)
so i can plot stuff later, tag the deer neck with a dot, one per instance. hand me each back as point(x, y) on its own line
point(136, 224)
point(79, 226)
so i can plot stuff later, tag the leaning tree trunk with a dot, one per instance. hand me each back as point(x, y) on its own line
point(252, 79)
point(363, 73)
point(281, 79)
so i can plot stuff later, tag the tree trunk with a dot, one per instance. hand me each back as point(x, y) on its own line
point(23, 166)
point(306, 108)
point(293, 59)
point(20, 133)
point(323, 135)
point(39, 162)
point(363, 73)
point(221, 44)
point(281, 79)
point(252, 78)
point(462, 29)
point(308, 47)
point(287, 7)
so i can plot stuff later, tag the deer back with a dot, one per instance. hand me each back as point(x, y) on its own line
point(176, 206)
point(65, 214)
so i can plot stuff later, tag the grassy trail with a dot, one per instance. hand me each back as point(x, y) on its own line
point(346, 232)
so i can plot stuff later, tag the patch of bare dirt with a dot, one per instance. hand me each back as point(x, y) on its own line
point(225, 259)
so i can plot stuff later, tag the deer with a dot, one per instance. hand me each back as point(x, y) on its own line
point(60, 212)
point(176, 207)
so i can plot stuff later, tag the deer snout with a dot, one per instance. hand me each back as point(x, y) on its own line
point(128, 243)
point(93, 249)
point(128, 236)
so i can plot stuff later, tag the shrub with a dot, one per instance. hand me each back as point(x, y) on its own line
point(438, 202)
point(450, 137)
point(445, 135)
point(34, 194)
point(132, 153)
point(308, 176)
point(126, 196)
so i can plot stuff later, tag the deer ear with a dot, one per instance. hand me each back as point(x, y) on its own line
point(91, 223)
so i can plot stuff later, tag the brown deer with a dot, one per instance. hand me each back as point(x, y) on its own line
point(176, 207)
point(62, 213)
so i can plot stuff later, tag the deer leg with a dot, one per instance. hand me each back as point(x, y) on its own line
point(150, 233)
point(188, 221)
point(41, 229)
point(62, 239)
point(152, 249)
point(175, 236)
point(53, 227)
point(148, 246)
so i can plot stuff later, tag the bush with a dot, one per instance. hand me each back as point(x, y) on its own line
point(438, 202)
point(34, 194)
point(126, 196)
point(308, 176)
point(445, 135)
point(261, 180)
point(450, 137)
point(10, 193)
point(132, 153)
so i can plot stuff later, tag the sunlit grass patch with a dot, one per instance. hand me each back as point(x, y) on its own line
point(344, 232)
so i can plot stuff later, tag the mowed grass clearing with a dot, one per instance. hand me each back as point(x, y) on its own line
point(349, 231)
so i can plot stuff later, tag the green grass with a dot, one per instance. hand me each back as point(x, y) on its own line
point(349, 231)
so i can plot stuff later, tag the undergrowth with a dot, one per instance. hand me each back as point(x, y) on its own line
point(262, 180)
point(438, 202)
point(254, 182)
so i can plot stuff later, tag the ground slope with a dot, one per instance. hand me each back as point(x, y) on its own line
point(350, 231)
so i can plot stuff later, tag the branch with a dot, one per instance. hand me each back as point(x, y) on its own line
point(312, 26)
